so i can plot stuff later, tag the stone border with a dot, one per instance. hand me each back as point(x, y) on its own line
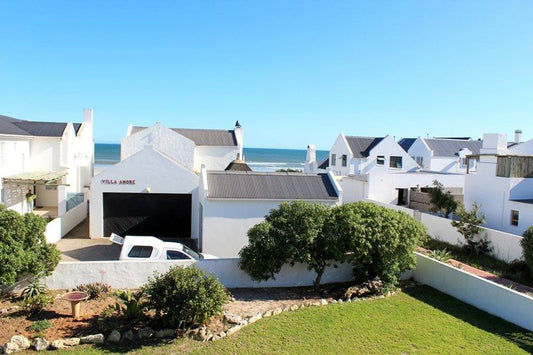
point(203, 334)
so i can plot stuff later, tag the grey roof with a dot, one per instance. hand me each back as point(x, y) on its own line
point(270, 186)
point(406, 143)
point(361, 146)
point(324, 163)
point(214, 137)
point(449, 147)
point(238, 165)
point(10, 125)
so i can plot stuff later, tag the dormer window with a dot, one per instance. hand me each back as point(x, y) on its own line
point(380, 160)
point(395, 162)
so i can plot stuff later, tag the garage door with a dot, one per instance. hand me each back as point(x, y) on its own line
point(166, 216)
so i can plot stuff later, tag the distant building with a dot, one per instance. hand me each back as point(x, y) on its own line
point(53, 160)
point(445, 155)
point(503, 184)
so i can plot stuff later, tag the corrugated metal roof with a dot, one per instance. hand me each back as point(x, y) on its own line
point(10, 125)
point(213, 137)
point(361, 146)
point(406, 143)
point(449, 147)
point(270, 186)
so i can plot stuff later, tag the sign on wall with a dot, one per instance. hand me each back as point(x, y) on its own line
point(117, 182)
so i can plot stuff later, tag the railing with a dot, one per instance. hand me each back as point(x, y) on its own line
point(74, 199)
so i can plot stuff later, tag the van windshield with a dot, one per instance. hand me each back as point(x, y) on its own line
point(192, 253)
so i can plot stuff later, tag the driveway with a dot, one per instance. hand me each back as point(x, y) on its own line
point(77, 246)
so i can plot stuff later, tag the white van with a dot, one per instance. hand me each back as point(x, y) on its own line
point(152, 248)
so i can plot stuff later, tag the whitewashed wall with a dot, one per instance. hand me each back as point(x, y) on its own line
point(150, 169)
point(339, 148)
point(486, 295)
point(133, 274)
point(505, 246)
point(213, 157)
point(387, 148)
point(354, 188)
point(60, 226)
point(409, 211)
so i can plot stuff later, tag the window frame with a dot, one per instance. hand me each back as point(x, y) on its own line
point(333, 159)
point(378, 160)
point(515, 218)
point(140, 254)
point(393, 158)
point(344, 162)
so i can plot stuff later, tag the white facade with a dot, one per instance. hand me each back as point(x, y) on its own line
point(182, 149)
point(354, 165)
point(497, 196)
point(71, 151)
point(147, 171)
point(428, 160)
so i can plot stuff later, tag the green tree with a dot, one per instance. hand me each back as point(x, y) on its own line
point(23, 247)
point(527, 247)
point(379, 242)
point(441, 200)
point(469, 226)
point(290, 234)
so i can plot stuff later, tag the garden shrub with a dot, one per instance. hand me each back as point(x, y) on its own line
point(527, 247)
point(35, 297)
point(130, 305)
point(40, 326)
point(23, 247)
point(441, 200)
point(184, 297)
point(379, 242)
point(292, 233)
point(469, 226)
point(94, 289)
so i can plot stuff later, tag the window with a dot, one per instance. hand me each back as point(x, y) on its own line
point(395, 162)
point(333, 159)
point(140, 251)
point(380, 160)
point(514, 217)
point(344, 160)
point(176, 255)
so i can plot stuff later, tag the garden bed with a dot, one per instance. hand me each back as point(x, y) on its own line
point(246, 302)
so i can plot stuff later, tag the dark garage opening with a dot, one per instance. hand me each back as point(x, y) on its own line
point(165, 216)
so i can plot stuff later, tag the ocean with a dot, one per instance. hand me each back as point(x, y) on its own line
point(259, 159)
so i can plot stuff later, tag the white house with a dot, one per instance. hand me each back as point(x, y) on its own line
point(51, 159)
point(193, 148)
point(351, 155)
point(446, 155)
point(503, 184)
point(154, 189)
point(233, 202)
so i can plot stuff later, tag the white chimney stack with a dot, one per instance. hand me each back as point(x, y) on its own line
point(517, 135)
point(88, 115)
point(311, 165)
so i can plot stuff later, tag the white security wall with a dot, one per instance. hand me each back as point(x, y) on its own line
point(226, 223)
point(506, 246)
point(213, 157)
point(387, 148)
point(133, 274)
point(150, 169)
point(60, 226)
point(409, 211)
point(165, 140)
point(486, 295)
point(354, 188)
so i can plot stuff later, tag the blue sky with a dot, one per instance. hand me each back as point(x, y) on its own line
point(292, 72)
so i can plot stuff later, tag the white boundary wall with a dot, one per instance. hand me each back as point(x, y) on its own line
point(60, 226)
point(505, 246)
point(133, 274)
point(409, 211)
point(486, 295)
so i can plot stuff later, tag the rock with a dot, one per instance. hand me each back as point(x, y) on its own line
point(334, 301)
point(216, 337)
point(255, 318)
point(40, 344)
point(21, 341)
point(294, 307)
point(244, 322)
point(302, 306)
point(222, 334)
point(277, 311)
point(232, 318)
point(3, 311)
point(128, 336)
point(267, 314)
point(367, 288)
point(165, 333)
point(340, 301)
point(114, 336)
point(323, 302)
point(71, 341)
point(145, 333)
point(286, 309)
point(13, 308)
point(92, 339)
point(233, 329)
point(10, 347)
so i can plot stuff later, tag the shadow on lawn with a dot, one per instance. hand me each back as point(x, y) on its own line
point(480, 319)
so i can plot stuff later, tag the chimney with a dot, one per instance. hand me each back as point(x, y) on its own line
point(517, 135)
point(88, 115)
point(311, 153)
point(494, 143)
point(239, 136)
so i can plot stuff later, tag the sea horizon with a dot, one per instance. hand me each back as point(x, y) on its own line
point(259, 159)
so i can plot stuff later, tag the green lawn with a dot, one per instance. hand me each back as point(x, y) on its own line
point(420, 319)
